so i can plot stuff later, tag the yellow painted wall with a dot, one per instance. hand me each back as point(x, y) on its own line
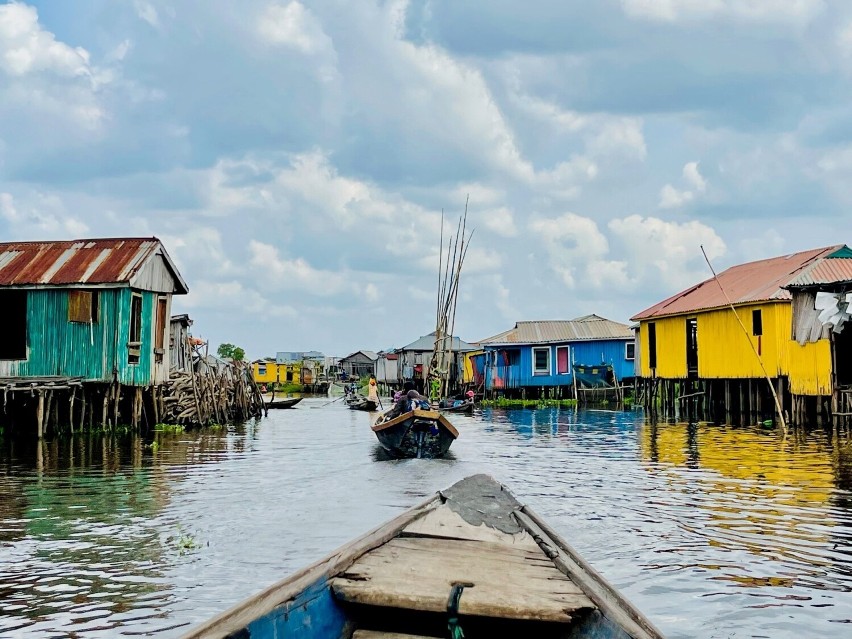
point(724, 351)
point(671, 348)
point(271, 372)
point(468, 366)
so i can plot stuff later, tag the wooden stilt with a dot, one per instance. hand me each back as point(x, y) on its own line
point(71, 409)
point(40, 416)
point(728, 401)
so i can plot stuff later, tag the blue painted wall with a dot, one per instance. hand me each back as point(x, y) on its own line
point(518, 372)
point(95, 352)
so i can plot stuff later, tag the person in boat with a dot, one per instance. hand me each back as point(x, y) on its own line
point(373, 391)
point(470, 395)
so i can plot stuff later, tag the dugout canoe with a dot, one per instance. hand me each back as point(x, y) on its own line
point(284, 402)
point(471, 561)
point(360, 402)
point(424, 434)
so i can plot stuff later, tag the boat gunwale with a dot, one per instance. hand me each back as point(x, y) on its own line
point(417, 412)
point(611, 603)
point(608, 600)
point(244, 612)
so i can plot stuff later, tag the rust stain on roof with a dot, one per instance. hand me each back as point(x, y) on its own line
point(827, 271)
point(760, 281)
point(95, 261)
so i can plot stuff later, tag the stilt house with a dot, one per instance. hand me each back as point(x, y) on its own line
point(693, 344)
point(92, 309)
point(542, 355)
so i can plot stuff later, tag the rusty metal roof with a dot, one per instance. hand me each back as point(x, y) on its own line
point(828, 271)
point(588, 327)
point(760, 281)
point(74, 262)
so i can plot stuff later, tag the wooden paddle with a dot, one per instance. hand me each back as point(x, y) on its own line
point(331, 402)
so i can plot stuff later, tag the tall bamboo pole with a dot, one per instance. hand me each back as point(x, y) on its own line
point(779, 410)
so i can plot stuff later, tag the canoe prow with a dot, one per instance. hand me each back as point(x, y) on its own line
point(521, 578)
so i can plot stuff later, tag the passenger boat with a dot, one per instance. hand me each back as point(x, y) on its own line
point(455, 406)
point(359, 402)
point(284, 402)
point(470, 561)
point(417, 433)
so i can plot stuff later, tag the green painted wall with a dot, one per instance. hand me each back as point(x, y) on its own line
point(96, 351)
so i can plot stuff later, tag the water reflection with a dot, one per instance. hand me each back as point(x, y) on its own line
point(712, 531)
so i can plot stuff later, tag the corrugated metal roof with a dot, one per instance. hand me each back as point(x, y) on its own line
point(94, 261)
point(427, 343)
point(588, 327)
point(828, 271)
point(368, 354)
point(759, 281)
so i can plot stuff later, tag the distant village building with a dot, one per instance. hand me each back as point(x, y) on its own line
point(180, 350)
point(359, 364)
point(413, 359)
point(545, 356)
point(693, 344)
point(387, 368)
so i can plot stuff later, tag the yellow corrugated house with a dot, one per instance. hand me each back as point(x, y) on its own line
point(695, 337)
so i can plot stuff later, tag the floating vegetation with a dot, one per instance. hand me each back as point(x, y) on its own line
point(182, 541)
point(169, 428)
point(503, 402)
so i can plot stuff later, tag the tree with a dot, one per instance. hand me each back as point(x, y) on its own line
point(230, 351)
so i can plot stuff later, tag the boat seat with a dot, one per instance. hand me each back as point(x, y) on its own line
point(505, 581)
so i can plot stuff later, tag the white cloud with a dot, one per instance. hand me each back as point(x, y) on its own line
point(294, 26)
point(209, 296)
point(147, 12)
point(500, 221)
point(693, 177)
point(572, 242)
point(671, 198)
point(27, 48)
point(666, 252)
point(40, 217)
point(778, 11)
point(297, 273)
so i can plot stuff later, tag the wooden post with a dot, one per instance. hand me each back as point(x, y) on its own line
point(40, 416)
point(82, 407)
point(728, 401)
point(71, 408)
point(106, 392)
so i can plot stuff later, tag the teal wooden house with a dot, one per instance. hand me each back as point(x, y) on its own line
point(96, 310)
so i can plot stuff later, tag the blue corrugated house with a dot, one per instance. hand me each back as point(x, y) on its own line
point(544, 355)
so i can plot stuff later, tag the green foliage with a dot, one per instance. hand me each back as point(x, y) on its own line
point(230, 351)
point(169, 428)
point(183, 541)
point(503, 402)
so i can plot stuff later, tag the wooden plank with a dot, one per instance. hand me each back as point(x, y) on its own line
point(418, 574)
point(445, 523)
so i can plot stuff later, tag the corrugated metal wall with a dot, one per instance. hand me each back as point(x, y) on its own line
point(590, 353)
point(75, 349)
point(724, 351)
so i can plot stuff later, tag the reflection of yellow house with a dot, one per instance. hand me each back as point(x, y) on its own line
point(791, 471)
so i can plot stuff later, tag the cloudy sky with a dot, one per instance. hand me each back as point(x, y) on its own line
point(295, 157)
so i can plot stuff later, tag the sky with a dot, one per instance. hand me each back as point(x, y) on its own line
point(295, 157)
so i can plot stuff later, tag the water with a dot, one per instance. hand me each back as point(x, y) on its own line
point(711, 531)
